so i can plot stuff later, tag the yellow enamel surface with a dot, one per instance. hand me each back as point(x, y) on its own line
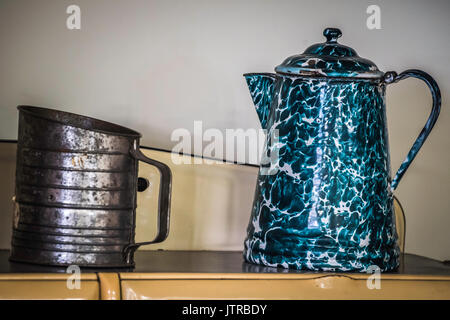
point(109, 286)
point(48, 289)
point(272, 276)
point(330, 287)
point(211, 203)
point(282, 286)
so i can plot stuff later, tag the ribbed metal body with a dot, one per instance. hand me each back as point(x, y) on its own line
point(76, 183)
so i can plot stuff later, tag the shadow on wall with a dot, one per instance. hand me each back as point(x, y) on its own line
point(7, 173)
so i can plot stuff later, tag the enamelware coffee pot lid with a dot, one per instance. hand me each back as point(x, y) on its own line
point(329, 59)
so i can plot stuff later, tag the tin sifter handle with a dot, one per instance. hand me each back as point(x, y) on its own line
point(392, 77)
point(163, 204)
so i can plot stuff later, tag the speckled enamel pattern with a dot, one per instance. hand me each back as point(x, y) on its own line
point(325, 202)
point(330, 59)
point(261, 89)
point(329, 207)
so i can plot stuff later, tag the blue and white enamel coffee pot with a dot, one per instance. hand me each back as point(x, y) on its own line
point(325, 201)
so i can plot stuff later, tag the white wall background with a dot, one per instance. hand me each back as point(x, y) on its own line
point(159, 65)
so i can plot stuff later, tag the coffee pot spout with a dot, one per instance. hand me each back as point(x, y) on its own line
point(261, 91)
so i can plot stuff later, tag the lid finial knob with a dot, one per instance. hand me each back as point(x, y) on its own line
point(332, 34)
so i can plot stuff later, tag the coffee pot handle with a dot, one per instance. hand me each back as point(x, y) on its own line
point(163, 204)
point(392, 77)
